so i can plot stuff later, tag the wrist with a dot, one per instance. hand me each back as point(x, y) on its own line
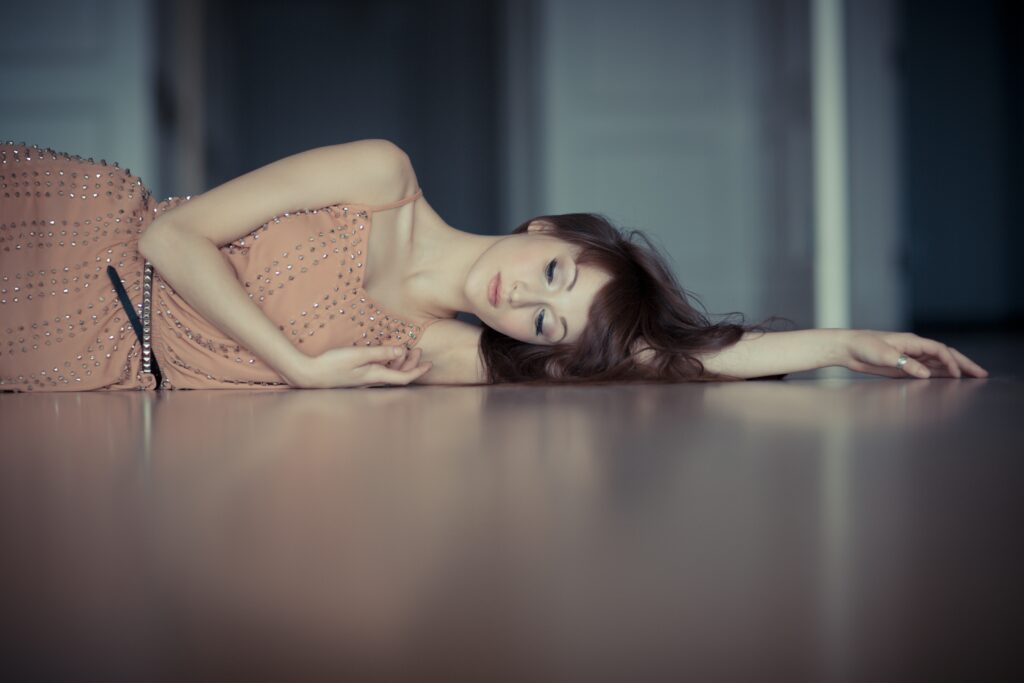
point(295, 369)
point(840, 347)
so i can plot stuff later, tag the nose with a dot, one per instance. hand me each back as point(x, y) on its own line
point(521, 296)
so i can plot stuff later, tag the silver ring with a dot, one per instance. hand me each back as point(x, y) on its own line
point(901, 361)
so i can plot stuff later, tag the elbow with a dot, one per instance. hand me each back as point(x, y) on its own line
point(394, 159)
point(149, 244)
point(390, 150)
point(145, 246)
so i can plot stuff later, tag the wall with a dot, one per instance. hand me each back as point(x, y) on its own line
point(691, 121)
point(76, 77)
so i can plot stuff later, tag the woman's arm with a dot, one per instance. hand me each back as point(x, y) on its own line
point(200, 273)
point(183, 244)
point(365, 171)
point(774, 353)
point(760, 354)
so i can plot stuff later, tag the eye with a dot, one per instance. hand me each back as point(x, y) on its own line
point(550, 275)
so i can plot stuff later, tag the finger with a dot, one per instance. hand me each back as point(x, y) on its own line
point(913, 367)
point(937, 366)
point(890, 371)
point(401, 362)
point(381, 374)
point(968, 364)
point(380, 354)
point(406, 361)
point(942, 351)
point(920, 345)
point(412, 359)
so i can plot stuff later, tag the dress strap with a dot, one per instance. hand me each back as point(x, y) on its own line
point(427, 322)
point(400, 202)
point(423, 324)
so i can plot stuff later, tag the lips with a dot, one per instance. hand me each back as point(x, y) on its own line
point(494, 291)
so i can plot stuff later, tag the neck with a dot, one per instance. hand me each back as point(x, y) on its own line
point(442, 259)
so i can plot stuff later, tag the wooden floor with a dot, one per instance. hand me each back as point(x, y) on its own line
point(816, 529)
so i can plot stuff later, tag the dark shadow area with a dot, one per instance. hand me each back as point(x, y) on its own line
point(961, 77)
point(280, 79)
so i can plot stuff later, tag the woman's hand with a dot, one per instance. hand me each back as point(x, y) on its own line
point(876, 353)
point(360, 366)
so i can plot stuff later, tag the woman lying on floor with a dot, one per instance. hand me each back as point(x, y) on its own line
point(243, 286)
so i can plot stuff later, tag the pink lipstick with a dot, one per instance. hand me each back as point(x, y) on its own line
point(494, 290)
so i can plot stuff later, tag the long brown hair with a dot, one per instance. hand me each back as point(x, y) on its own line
point(641, 326)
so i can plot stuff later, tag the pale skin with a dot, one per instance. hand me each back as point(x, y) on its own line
point(419, 265)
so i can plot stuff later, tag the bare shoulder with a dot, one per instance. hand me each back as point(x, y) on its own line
point(453, 347)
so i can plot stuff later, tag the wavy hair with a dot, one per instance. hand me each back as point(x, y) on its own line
point(641, 326)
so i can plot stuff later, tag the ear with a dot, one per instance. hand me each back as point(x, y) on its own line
point(641, 352)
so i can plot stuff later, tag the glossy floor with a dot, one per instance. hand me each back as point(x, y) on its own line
point(819, 529)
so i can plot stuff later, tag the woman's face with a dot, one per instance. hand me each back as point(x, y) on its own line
point(543, 295)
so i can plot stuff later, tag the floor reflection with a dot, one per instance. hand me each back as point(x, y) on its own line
point(504, 532)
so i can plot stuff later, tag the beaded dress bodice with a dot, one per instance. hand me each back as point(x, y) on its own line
point(304, 269)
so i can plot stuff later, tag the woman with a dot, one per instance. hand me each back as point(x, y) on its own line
point(101, 287)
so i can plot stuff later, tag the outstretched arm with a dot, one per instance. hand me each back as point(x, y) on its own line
point(762, 354)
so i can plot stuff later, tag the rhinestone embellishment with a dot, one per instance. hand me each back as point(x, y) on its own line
point(147, 298)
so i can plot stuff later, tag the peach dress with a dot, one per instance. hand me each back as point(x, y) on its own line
point(64, 219)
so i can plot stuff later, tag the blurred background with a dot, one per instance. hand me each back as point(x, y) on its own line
point(701, 122)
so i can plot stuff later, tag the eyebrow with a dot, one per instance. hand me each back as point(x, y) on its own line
point(565, 325)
